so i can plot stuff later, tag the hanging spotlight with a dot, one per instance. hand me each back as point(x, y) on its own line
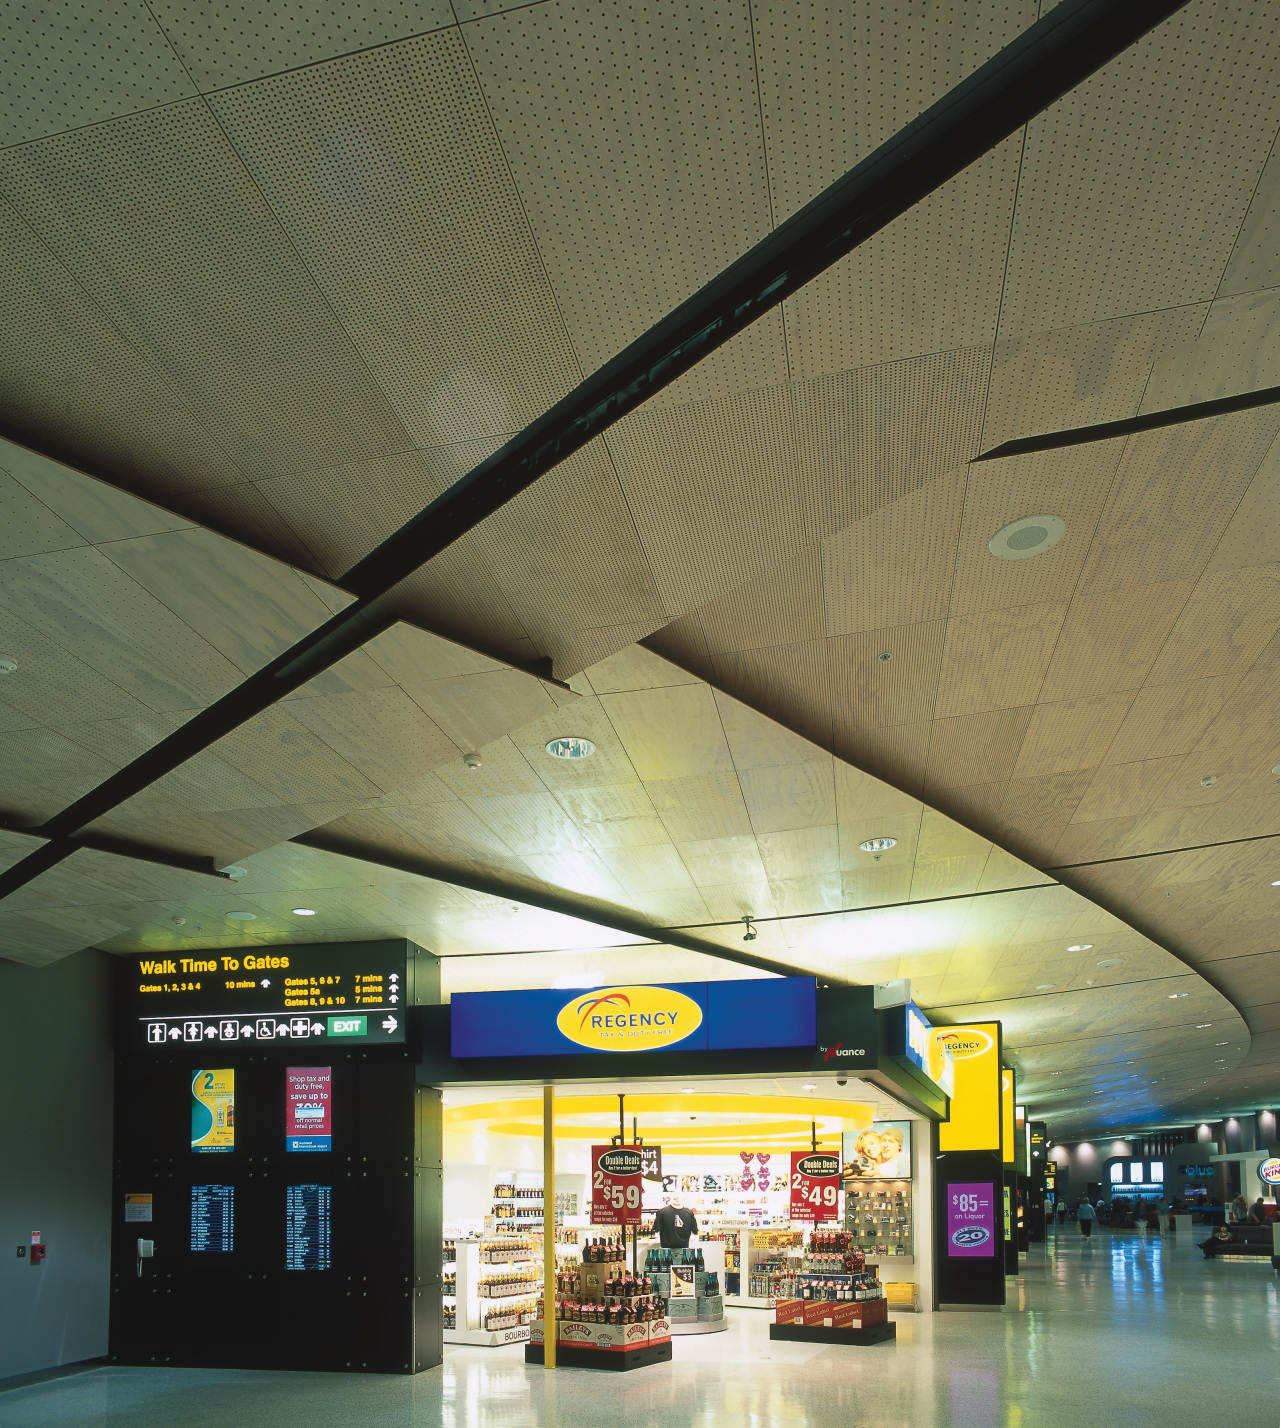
point(750, 934)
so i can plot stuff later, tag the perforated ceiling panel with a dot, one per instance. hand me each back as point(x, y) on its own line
point(158, 220)
point(385, 172)
point(835, 83)
point(633, 134)
point(1151, 150)
point(72, 64)
point(229, 44)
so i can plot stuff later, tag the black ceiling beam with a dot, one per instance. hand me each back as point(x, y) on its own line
point(1127, 426)
point(1066, 46)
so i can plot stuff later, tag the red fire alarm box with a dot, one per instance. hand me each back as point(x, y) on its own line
point(38, 1253)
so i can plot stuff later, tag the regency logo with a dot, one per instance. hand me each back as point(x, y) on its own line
point(964, 1042)
point(629, 1018)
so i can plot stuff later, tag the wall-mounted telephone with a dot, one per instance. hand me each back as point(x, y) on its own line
point(146, 1250)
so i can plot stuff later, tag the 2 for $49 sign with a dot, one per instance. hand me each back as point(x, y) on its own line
point(815, 1186)
point(615, 1185)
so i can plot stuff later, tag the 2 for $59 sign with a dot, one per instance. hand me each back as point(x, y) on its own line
point(615, 1185)
point(815, 1186)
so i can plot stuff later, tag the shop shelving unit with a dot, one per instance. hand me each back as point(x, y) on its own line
point(881, 1218)
point(472, 1303)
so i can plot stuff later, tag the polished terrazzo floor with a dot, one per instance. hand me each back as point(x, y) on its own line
point(1116, 1331)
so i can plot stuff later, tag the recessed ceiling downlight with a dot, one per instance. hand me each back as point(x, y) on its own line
point(571, 748)
point(304, 912)
point(1027, 536)
point(1111, 962)
point(1080, 947)
point(8, 665)
point(878, 845)
point(243, 916)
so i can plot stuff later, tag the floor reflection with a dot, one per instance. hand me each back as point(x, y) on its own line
point(1112, 1330)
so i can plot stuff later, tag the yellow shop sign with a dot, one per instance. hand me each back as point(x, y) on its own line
point(629, 1018)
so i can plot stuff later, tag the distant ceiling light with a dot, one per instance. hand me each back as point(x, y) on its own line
point(1046, 986)
point(885, 656)
point(1111, 962)
point(571, 748)
point(8, 665)
point(178, 921)
point(304, 912)
point(1027, 536)
point(1276, 769)
point(750, 934)
point(1208, 780)
point(472, 762)
point(686, 1090)
point(1081, 947)
point(878, 845)
point(808, 1088)
point(1173, 996)
point(1276, 884)
point(243, 916)
point(1200, 1025)
point(236, 872)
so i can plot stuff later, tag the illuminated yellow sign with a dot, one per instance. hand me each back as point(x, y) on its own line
point(629, 1018)
point(1008, 1095)
point(940, 1064)
point(974, 1123)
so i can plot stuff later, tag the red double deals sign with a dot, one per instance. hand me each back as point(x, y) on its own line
point(815, 1185)
point(615, 1185)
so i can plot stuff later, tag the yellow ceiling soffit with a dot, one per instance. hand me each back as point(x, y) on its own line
point(570, 1107)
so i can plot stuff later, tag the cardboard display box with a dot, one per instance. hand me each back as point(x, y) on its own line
point(592, 1279)
point(711, 1306)
point(682, 1310)
point(789, 1311)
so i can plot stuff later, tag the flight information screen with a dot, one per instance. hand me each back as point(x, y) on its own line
point(213, 1219)
point(270, 996)
point(307, 1227)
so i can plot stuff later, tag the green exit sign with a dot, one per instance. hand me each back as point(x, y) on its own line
point(348, 1026)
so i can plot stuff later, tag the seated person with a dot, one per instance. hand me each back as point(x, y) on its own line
point(1258, 1213)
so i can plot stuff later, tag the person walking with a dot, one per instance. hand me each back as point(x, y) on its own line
point(1162, 1217)
point(1140, 1219)
point(1085, 1216)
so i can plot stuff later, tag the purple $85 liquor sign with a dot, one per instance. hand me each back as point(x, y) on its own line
point(971, 1220)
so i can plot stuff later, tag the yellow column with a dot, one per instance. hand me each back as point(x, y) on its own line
point(549, 1327)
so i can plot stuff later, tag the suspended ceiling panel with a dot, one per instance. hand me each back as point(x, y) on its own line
point(89, 897)
point(406, 703)
point(124, 620)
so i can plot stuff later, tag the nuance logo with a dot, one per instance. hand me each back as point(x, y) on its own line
point(840, 1049)
point(629, 1018)
point(965, 1041)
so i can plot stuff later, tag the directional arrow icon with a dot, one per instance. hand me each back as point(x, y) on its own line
point(246, 1031)
point(174, 1033)
point(266, 982)
point(317, 1028)
point(390, 1024)
point(393, 997)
